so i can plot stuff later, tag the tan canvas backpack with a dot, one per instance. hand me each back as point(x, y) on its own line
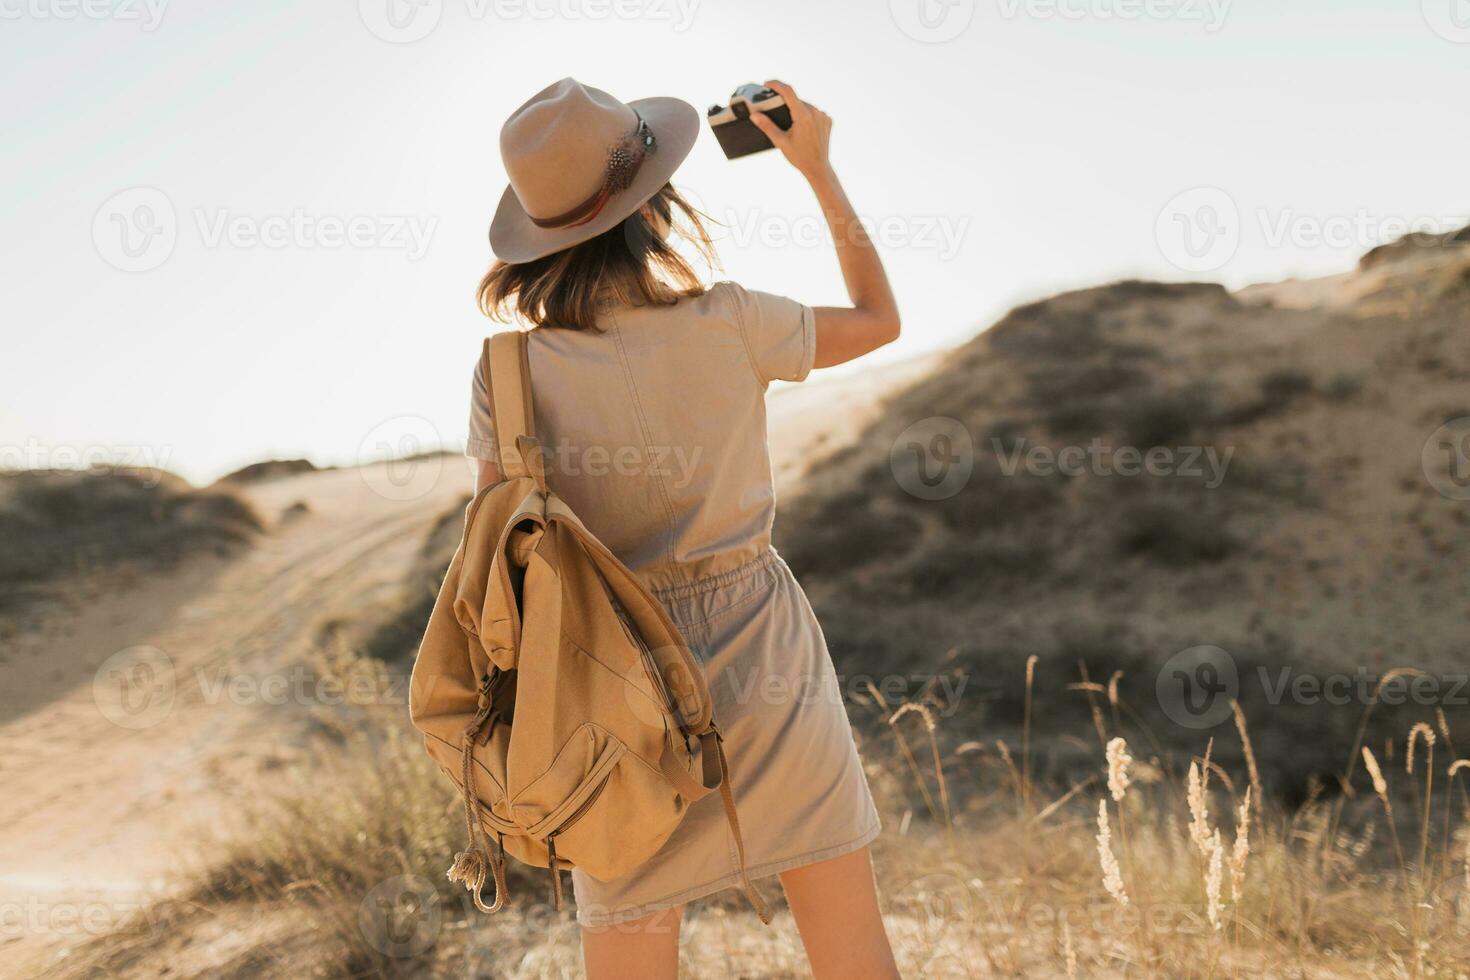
point(552, 686)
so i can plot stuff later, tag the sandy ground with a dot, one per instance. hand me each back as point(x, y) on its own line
point(133, 707)
point(107, 780)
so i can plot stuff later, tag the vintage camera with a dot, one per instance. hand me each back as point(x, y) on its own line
point(732, 126)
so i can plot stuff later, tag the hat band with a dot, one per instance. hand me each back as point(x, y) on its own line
point(623, 160)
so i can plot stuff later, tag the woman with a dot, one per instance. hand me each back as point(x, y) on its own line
point(649, 399)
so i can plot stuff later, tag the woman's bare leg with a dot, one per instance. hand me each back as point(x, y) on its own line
point(645, 949)
point(836, 908)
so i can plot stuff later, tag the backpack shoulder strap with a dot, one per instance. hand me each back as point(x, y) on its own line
point(506, 368)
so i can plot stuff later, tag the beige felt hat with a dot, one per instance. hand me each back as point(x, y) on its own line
point(579, 162)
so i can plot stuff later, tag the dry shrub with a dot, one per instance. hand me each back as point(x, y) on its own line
point(984, 871)
point(61, 522)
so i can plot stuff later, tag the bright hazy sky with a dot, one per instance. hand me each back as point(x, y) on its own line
point(1043, 146)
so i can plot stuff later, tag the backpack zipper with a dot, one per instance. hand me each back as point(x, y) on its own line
point(582, 809)
point(552, 862)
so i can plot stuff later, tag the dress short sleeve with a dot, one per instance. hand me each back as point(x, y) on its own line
point(779, 333)
point(481, 443)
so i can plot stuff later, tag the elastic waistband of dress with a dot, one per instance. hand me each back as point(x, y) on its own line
point(720, 580)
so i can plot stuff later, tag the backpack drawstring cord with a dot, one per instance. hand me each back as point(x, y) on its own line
point(472, 865)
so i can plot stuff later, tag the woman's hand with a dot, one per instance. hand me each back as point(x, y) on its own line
point(805, 144)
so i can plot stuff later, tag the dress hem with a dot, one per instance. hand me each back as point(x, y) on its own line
point(767, 870)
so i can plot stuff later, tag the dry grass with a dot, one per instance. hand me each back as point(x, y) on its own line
point(983, 872)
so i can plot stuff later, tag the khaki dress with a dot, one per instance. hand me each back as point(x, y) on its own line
point(655, 434)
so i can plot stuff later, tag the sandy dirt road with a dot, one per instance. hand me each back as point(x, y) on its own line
point(132, 710)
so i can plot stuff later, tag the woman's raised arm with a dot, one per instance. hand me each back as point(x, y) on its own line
point(843, 332)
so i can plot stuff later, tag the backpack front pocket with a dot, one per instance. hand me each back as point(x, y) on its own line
point(577, 772)
point(621, 824)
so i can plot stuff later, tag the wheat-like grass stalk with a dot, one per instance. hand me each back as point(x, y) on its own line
point(1373, 703)
point(1380, 785)
point(1011, 767)
point(1241, 849)
point(1250, 754)
point(1213, 878)
point(1091, 690)
point(1112, 874)
point(1209, 767)
point(1118, 762)
point(1239, 852)
point(1026, 737)
point(1062, 800)
point(1380, 788)
point(1420, 730)
point(913, 763)
point(1424, 732)
point(1199, 809)
point(1449, 808)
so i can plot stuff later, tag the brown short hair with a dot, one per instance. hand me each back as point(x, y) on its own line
point(632, 262)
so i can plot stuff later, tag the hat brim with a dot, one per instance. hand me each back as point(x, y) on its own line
point(514, 237)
